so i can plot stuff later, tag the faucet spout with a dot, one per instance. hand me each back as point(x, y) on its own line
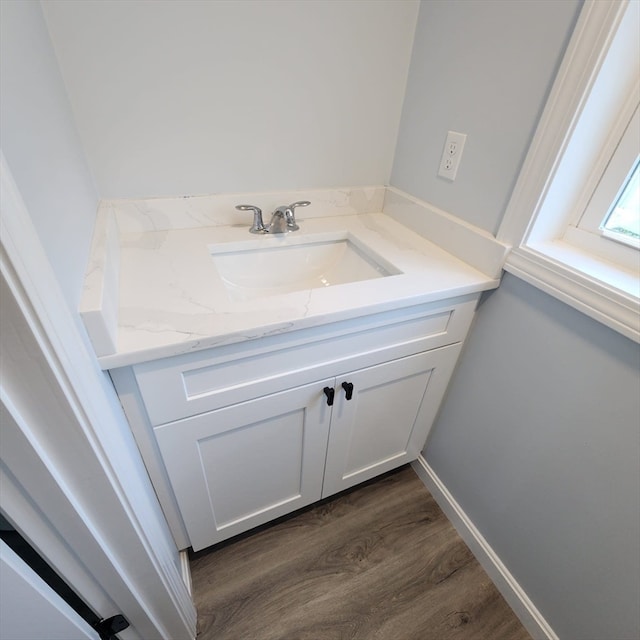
point(283, 220)
point(289, 214)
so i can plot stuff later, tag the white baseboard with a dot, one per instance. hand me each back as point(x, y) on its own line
point(531, 618)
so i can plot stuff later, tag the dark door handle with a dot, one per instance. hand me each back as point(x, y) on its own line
point(330, 392)
point(348, 389)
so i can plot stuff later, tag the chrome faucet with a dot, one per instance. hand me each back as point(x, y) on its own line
point(283, 219)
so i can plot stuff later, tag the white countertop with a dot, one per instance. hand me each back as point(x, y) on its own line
point(171, 299)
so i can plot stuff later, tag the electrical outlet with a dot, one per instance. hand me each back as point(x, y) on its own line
point(451, 155)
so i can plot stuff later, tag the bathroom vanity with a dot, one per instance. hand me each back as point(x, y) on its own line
point(262, 374)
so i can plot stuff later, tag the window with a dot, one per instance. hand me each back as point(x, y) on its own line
point(611, 215)
point(573, 217)
point(622, 223)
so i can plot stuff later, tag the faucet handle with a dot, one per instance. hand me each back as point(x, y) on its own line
point(258, 224)
point(291, 213)
point(300, 203)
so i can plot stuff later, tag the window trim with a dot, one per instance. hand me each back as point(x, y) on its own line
point(569, 152)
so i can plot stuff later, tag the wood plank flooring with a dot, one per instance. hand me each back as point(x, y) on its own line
point(379, 562)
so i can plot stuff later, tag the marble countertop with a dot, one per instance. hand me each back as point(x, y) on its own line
point(171, 299)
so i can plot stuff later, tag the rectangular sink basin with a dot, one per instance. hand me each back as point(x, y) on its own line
point(283, 264)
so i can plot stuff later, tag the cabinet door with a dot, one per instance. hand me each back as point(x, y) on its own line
point(386, 422)
point(243, 465)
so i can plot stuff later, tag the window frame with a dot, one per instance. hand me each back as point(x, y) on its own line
point(585, 118)
point(586, 231)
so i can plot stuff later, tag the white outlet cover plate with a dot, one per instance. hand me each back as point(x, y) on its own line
point(451, 155)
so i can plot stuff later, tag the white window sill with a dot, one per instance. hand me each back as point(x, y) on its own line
point(600, 289)
point(621, 257)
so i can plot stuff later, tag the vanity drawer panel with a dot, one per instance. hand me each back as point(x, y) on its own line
point(183, 386)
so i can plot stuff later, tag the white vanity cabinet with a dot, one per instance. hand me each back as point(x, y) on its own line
point(238, 435)
point(243, 465)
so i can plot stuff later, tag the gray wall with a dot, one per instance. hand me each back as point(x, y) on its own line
point(191, 97)
point(538, 438)
point(41, 144)
point(480, 68)
point(539, 442)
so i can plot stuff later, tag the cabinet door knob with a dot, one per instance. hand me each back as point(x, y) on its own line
point(330, 393)
point(348, 389)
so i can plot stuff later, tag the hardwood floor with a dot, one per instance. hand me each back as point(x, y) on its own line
point(379, 562)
